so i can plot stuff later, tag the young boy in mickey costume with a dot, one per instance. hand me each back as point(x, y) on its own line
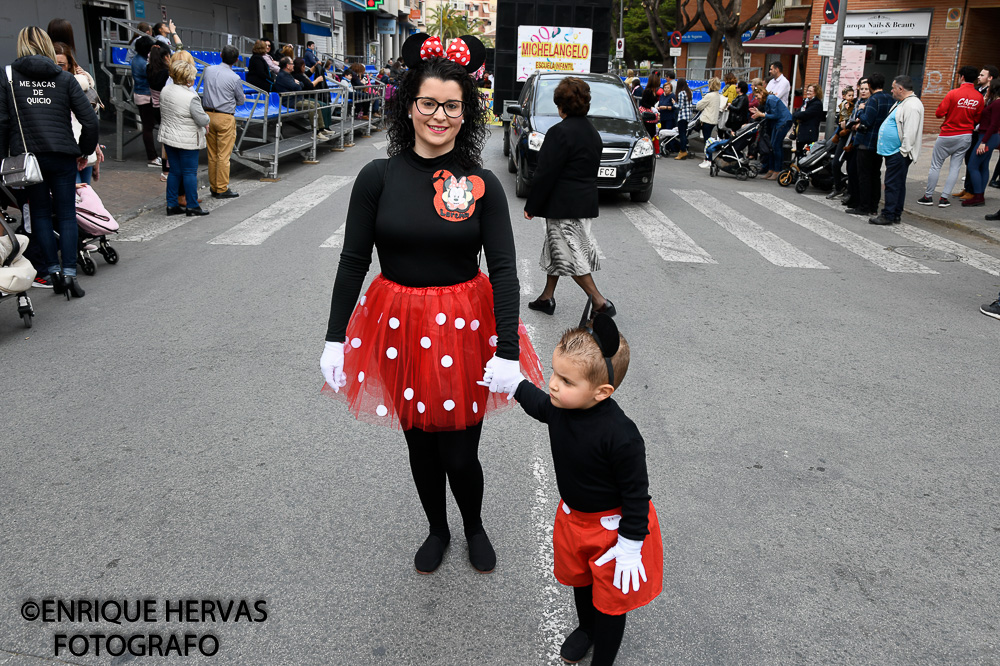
point(600, 463)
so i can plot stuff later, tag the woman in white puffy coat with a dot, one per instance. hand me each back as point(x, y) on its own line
point(710, 106)
point(182, 130)
point(67, 62)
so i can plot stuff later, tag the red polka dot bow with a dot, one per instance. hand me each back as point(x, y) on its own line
point(457, 50)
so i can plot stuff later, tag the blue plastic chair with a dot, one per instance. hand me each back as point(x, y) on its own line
point(119, 55)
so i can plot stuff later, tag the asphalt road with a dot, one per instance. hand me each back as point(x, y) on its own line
point(819, 411)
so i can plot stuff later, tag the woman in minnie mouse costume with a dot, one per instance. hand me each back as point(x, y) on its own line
point(410, 354)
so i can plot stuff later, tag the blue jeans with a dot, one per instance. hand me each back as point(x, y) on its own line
point(85, 176)
point(682, 134)
point(896, 168)
point(979, 165)
point(55, 197)
point(183, 167)
point(777, 148)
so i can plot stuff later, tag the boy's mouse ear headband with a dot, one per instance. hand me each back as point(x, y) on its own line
point(605, 333)
point(466, 50)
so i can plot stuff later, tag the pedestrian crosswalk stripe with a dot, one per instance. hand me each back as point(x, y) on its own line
point(776, 250)
point(151, 225)
point(337, 239)
point(968, 256)
point(262, 225)
point(667, 239)
point(859, 245)
point(524, 275)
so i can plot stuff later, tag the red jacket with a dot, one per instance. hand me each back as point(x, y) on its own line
point(960, 109)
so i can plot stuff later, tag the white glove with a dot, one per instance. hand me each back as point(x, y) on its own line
point(502, 376)
point(331, 363)
point(628, 561)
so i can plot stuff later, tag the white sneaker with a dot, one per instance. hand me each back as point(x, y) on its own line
point(705, 164)
point(155, 163)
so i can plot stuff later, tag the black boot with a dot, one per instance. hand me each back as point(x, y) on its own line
point(992, 217)
point(73, 287)
point(57, 283)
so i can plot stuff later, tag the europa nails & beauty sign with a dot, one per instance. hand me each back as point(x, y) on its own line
point(888, 24)
point(553, 48)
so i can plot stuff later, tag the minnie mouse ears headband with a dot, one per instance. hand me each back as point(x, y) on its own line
point(605, 333)
point(466, 50)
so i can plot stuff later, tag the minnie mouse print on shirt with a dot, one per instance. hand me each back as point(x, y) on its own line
point(455, 197)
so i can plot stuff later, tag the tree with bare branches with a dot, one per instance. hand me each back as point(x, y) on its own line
point(727, 26)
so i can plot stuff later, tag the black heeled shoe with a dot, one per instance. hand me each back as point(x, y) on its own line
point(175, 210)
point(73, 287)
point(608, 308)
point(57, 284)
point(548, 307)
point(196, 212)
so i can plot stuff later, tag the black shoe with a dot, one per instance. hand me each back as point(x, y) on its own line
point(175, 210)
point(993, 217)
point(858, 211)
point(430, 554)
point(991, 309)
point(881, 220)
point(848, 203)
point(228, 194)
point(73, 287)
point(994, 183)
point(925, 201)
point(548, 307)
point(608, 309)
point(481, 553)
point(196, 212)
point(576, 646)
point(56, 279)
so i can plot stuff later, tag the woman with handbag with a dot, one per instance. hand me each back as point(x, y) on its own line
point(33, 124)
point(647, 104)
point(710, 106)
point(411, 353)
point(564, 191)
point(67, 63)
point(182, 132)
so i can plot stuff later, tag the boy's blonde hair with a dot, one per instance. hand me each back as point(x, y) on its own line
point(578, 345)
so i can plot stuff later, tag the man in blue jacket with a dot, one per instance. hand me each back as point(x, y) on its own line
point(876, 110)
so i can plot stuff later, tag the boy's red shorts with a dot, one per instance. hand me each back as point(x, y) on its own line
point(581, 538)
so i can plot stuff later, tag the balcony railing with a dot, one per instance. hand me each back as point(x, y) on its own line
point(778, 10)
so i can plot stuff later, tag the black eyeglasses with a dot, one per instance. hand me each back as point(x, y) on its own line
point(428, 106)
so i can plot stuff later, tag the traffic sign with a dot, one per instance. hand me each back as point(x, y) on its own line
point(675, 38)
point(620, 47)
point(830, 10)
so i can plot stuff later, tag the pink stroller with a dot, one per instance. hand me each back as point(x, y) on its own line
point(95, 223)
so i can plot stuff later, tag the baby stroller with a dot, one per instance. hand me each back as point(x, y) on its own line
point(814, 166)
point(16, 272)
point(730, 155)
point(670, 138)
point(95, 223)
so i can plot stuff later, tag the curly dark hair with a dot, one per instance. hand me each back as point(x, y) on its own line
point(474, 132)
point(572, 96)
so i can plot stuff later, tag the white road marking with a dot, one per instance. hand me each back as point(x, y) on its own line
point(337, 239)
point(524, 276)
point(850, 241)
point(667, 239)
point(380, 145)
point(554, 625)
point(776, 250)
point(262, 225)
point(156, 223)
point(966, 255)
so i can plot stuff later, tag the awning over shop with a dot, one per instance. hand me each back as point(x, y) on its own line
point(788, 42)
point(314, 28)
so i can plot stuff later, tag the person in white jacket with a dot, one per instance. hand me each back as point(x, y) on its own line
point(899, 144)
point(67, 62)
point(710, 106)
point(182, 131)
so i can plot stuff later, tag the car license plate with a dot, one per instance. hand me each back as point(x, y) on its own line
point(607, 172)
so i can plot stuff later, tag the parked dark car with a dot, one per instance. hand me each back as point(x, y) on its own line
point(627, 163)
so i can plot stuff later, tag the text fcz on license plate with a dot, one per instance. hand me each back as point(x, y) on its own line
point(607, 172)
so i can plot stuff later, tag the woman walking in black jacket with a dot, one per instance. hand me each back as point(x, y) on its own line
point(808, 118)
point(564, 191)
point(36, 119)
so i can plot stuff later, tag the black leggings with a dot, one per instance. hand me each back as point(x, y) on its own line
point(605, 630)
point(148, 116)
point(455, 455)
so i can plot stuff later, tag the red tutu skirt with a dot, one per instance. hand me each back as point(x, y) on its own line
point(413, 355)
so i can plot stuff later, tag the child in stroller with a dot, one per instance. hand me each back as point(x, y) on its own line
point(814, 165)
point(730, 154)
point(670, 140)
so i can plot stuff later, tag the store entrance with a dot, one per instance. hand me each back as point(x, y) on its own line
point(892, 57)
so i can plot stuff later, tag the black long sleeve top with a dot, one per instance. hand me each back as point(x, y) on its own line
point(564, 184)
point(395, 209)
point(599, 457)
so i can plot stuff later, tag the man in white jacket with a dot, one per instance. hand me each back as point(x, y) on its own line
point(899, 144)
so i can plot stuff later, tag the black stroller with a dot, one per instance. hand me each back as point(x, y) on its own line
point(814, 166)
point(730, 155)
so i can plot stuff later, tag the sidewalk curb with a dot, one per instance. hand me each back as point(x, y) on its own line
point(987, 234)
point(159, 202)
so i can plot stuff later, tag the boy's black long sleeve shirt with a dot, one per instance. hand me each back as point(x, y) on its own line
point(599, 457)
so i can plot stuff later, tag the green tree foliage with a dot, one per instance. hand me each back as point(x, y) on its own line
point(639, 44)
point(446, 23)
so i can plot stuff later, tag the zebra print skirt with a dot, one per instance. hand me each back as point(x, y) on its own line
point(569, 247)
